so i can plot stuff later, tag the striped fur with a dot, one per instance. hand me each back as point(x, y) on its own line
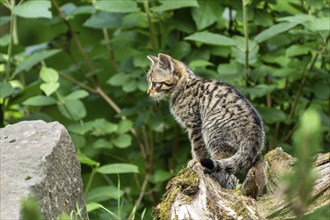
point(225, 130)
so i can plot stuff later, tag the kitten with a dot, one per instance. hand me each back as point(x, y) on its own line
point(225, 130)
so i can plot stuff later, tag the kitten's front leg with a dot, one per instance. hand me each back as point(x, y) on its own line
point(198, 148)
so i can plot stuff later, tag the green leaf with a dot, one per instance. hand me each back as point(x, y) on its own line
point(29, 208)
point(296, 50)
point(103, 127)
point(33, 59)
point(206, 14)
point(263, 18)
point(161, 176)
point(64, 216)
point(4, 40)
point(117, 168)
point(72, 109)
point(5, 89)
point(4, 20)
point(173, 4)
point(319, 24)
point(49, 75)
point(122, 141)
point(259, 90)
point(70, 10)
point(300, 18)
point(81, 129)
point(49, 88)
point(40, 101)
point(93, 206)
point(317, 5)
point(321, 90)
point(86, 160)
point(274, 30)
point(180, 49)
point(119, 79)
point(104, 20)
point(143, 86)
point(130, 86)
point(211, 38)
point(78, 94)
point(138, 19)
point(117, 6)
point(285, 72)
point(199, 63)
point(122, 52)
point(158, 124)
point(124, 126)
point(103, 193)
point(79, 141)
point(272, 115)
point(141, 61)
point(239, 50)
point(287, 7)
point(307, 140)
point(33, 9)
point(102, 143)
point(83, 10)
point(230, 72)
point(26, 92)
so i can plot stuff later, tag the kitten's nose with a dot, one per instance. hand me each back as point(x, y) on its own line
point(149, 91)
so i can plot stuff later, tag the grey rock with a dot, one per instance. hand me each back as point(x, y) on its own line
point(39, 159)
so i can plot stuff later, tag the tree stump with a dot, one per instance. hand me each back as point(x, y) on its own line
point(194, 195)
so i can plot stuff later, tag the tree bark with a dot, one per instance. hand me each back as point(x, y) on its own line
point(195, 195)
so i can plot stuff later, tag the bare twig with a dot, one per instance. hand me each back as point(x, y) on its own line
point(306, 74)
point(107, 44)
point(246, 36)
point(108, 100)
point(142, 193)
point(115, 107)
point(246, 32)
point(77, 41)
point(10, 6)
point(151, 28)
point(80, 84)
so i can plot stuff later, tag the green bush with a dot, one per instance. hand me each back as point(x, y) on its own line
point(83, 63)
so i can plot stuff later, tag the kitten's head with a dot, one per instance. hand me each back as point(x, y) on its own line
point(162, 76)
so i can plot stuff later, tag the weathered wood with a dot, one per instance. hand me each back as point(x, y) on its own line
point(195, 195)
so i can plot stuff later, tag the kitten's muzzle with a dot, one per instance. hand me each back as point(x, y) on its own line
point(150, 90)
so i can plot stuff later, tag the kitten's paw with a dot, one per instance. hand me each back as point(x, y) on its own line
point(208, 165)
point(192, 163)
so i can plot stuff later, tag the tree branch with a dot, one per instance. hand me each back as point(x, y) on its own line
point(195, 195)
point(307, 71)
point(77, 41)
point(246, 36)
point(80, 84)
point(107, 44)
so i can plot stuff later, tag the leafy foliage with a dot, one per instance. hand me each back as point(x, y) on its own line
point(83, 63)
point(306, 140)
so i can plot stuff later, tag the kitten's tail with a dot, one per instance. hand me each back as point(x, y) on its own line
point(242, 160)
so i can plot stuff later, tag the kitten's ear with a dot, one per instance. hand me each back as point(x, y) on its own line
point(153, 59)
point(165, 62)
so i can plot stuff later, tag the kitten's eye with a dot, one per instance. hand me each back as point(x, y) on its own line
point(153, 84)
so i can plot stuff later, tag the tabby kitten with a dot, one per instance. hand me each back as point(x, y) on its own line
point(225, 131)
